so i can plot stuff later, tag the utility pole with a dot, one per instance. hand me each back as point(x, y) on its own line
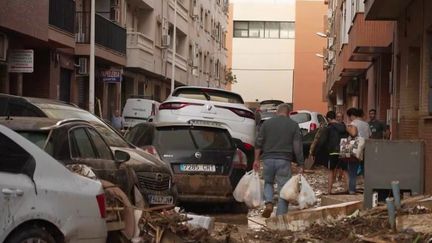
point(92, 58)
point(173, 59)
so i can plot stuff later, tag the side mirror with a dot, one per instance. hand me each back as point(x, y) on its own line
point(121, 156)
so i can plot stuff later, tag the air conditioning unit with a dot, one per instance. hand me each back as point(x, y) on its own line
point(329, 13)
point(3, 47)
point(195, 72)
point(115, 14)
point(115, 3)
point(166, 40)
point(165, 26)
point(195, 11)
point(83, 66)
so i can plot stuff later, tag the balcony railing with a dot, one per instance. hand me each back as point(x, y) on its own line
point(107, 33)
point(141, 41)
point(62, 14)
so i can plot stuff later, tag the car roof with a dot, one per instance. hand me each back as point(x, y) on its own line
point(36, 100)
point(35, 123)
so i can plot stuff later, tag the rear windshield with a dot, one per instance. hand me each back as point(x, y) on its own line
point(270, 105)
point(38, 138)
point(301, 117)
point(209, 94)
point(186, 138)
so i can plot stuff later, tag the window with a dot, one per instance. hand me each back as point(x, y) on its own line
point(101, 147)
point(287, 30)
point(81, 145)
point(209, 94)
point(256, 29)
point(241, 29)
point(321, 120)
point(14, 159)
point(261, 29)
point(272, 30)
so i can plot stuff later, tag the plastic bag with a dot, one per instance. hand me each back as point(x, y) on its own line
point(291, 190)
point(253, 196)
point(242, 186)
point(307, 196)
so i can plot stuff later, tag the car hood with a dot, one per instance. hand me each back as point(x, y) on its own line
point(143, 161)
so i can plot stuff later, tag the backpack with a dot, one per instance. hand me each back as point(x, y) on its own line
point(333, 138)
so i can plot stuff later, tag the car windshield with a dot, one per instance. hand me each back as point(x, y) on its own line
point(209, 94)
point(301, 117)
point(186, 138)
point(39, 138)
point(64, 112)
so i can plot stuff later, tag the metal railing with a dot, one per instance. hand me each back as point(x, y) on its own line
point(107, 33)
point(62, 14)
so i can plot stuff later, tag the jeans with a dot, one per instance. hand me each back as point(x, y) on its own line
point(278, 170)
point(352, 174)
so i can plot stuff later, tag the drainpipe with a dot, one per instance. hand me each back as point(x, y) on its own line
point(92, 57)
point(173, 59)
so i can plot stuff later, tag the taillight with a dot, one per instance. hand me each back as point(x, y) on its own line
point(312, 126)
point(240, 112)
point(101, 204)
point(176, 105)
point(247, 146)
point(240, 160)
point(152, 150)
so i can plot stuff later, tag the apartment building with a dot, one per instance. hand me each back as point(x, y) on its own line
point(201, 55)
point(378, 56)
point(133, 50)
point(263, 50)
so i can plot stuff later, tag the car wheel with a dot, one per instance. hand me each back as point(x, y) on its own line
point(116, 237)
point(33, 234)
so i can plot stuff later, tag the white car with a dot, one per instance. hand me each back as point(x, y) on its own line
point(213, 107)
point(308, 120)
point(42, 201)
point(138, 110)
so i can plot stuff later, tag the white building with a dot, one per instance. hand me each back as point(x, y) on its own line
point(263, 50)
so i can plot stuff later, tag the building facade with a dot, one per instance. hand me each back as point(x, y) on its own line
point(133, 50)
point(379, 57)
point(201, 53)
point(263, 50)
point(309, 75)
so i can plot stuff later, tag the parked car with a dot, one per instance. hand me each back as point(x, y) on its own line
point(308, 120)
point(212, 107)
point(139, 109)
point(206, 163)
point(39, 200)
point(148, 168)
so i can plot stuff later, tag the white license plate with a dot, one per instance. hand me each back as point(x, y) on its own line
point(156, 199)
point(198, 167)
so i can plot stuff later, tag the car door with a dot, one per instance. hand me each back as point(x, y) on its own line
point(17, 189)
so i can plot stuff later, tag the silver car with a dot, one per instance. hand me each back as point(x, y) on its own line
point(42, 201)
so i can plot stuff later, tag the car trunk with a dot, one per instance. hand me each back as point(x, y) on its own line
point(196, 150)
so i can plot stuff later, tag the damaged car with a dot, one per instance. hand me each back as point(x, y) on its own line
point(39, 200)
point(206, 163)
point(154, 176)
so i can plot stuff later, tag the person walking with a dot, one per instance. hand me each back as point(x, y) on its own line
point(340, 117)
point(117, 121)
point(356, 127)
point(329, 141)
point(279, 140)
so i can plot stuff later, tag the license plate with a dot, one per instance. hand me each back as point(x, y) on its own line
point(156, 199)
point(198, 167)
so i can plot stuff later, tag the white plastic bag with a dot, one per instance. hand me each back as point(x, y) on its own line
point(307, 196)
point(242, 186)
point(253, 196)
point(291, 190)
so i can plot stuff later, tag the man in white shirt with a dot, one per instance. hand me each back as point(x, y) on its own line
point(356, 127)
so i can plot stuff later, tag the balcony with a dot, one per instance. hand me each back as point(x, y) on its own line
point(384, 9)
point(368, 39)
point(140, 51)
point(62, 15)
point(107, 33)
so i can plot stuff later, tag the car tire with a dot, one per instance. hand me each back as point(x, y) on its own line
point(38, 234)
point(116, 237)
point(238, 207)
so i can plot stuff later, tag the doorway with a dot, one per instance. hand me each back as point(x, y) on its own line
point(65, 84)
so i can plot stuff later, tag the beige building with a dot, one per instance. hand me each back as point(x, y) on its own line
point(201, 53)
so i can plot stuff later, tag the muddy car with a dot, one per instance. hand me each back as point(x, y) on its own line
point(154, 176)
point(205, 160)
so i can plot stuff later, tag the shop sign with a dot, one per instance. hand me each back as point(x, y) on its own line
point(112, 75)
point(21, 61)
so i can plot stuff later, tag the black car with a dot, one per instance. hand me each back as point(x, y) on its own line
point(154, 176)
point(206, 163)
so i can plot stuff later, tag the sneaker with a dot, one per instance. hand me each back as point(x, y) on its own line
point(267, 210)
